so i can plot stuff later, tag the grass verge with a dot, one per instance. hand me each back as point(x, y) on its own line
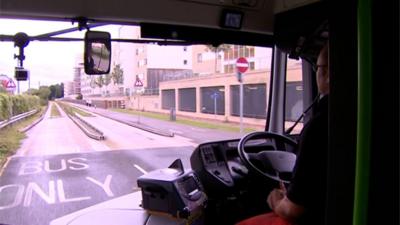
point(190, 122)
point(72, 110)
point(54, 111)
point(10, 137)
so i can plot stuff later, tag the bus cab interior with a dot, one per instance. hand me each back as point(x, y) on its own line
point(363, 159)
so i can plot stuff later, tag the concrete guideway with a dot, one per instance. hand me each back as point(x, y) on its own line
point(58, 135)
point(122, 136)
point(90, 130)
point(141, 126)
point(195, 134)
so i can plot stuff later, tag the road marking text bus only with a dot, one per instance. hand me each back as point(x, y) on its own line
point(18, 194)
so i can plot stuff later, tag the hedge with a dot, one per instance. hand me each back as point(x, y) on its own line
point(11, 105)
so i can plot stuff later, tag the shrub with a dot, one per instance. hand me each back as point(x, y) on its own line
point(11, 105)
point(79, 97)
point(5, 106)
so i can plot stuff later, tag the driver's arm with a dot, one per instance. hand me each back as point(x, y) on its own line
point(283, 207)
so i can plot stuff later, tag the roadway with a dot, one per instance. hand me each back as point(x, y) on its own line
point(194, 134)
point(59, 170)
point(57, 135)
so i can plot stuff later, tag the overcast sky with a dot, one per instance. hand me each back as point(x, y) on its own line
point(48, 62)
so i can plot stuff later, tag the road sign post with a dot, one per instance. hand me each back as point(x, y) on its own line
point(215, 107)
point(215, 96)
point(241, 108)
point(139, 89)
point(241, 66)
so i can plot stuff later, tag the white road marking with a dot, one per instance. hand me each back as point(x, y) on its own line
point(140, 169)
point(176, 131)
point(197, 129)
point(187, 140)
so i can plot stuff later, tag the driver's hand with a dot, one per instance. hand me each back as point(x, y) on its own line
point(275, 197)
point(282, 187)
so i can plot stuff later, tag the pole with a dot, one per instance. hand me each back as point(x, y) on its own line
point(18, 86)
point(241, 107)
point(138, 106)
point(215, 106)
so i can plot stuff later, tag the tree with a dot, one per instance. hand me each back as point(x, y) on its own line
point(52, 92)
point(99, 81)
point(106, 81)
point(32, 91)
point(56, 91)
point(217, 50)
point(43, 93)
point(117, 74)
point(79, 97)
point(62, 90)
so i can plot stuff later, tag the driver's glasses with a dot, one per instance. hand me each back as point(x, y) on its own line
point(316, 66)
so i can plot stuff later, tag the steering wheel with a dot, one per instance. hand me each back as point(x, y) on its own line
point(277, 160)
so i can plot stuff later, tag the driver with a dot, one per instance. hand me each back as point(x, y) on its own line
point(304, 200)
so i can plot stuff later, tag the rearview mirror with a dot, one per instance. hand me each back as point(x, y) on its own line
point(97, 56)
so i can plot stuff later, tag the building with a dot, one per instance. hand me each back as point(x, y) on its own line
point(212, 90)
point(196, 81)
point(77, 79)
point(146, 63)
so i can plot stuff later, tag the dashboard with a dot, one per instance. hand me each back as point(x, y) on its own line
point(219, 166)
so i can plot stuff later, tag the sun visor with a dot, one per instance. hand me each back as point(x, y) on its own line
point(198, 35)
point(302, 32)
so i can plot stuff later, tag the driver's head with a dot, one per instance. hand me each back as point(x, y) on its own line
point(322, 72)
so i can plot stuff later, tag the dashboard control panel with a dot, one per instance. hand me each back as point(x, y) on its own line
point(172, 191)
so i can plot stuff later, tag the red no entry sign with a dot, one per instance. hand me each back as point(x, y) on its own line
point(242, 64)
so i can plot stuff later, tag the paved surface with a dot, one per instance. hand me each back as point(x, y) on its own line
point(122, 136)
point(37, 190)
point(59, 171)
point(57, 135)
point(195, 134)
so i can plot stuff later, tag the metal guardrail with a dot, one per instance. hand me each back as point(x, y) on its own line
point(17, 118)
point(25, 129)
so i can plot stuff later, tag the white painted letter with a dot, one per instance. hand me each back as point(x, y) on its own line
point(30, 168)
point(82, 165)
point(18, 196)
point(32, 186)
point(47, 166)
point(105, 186)
point(61, 194)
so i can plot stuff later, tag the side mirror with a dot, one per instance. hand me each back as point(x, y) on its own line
point(97, 56)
